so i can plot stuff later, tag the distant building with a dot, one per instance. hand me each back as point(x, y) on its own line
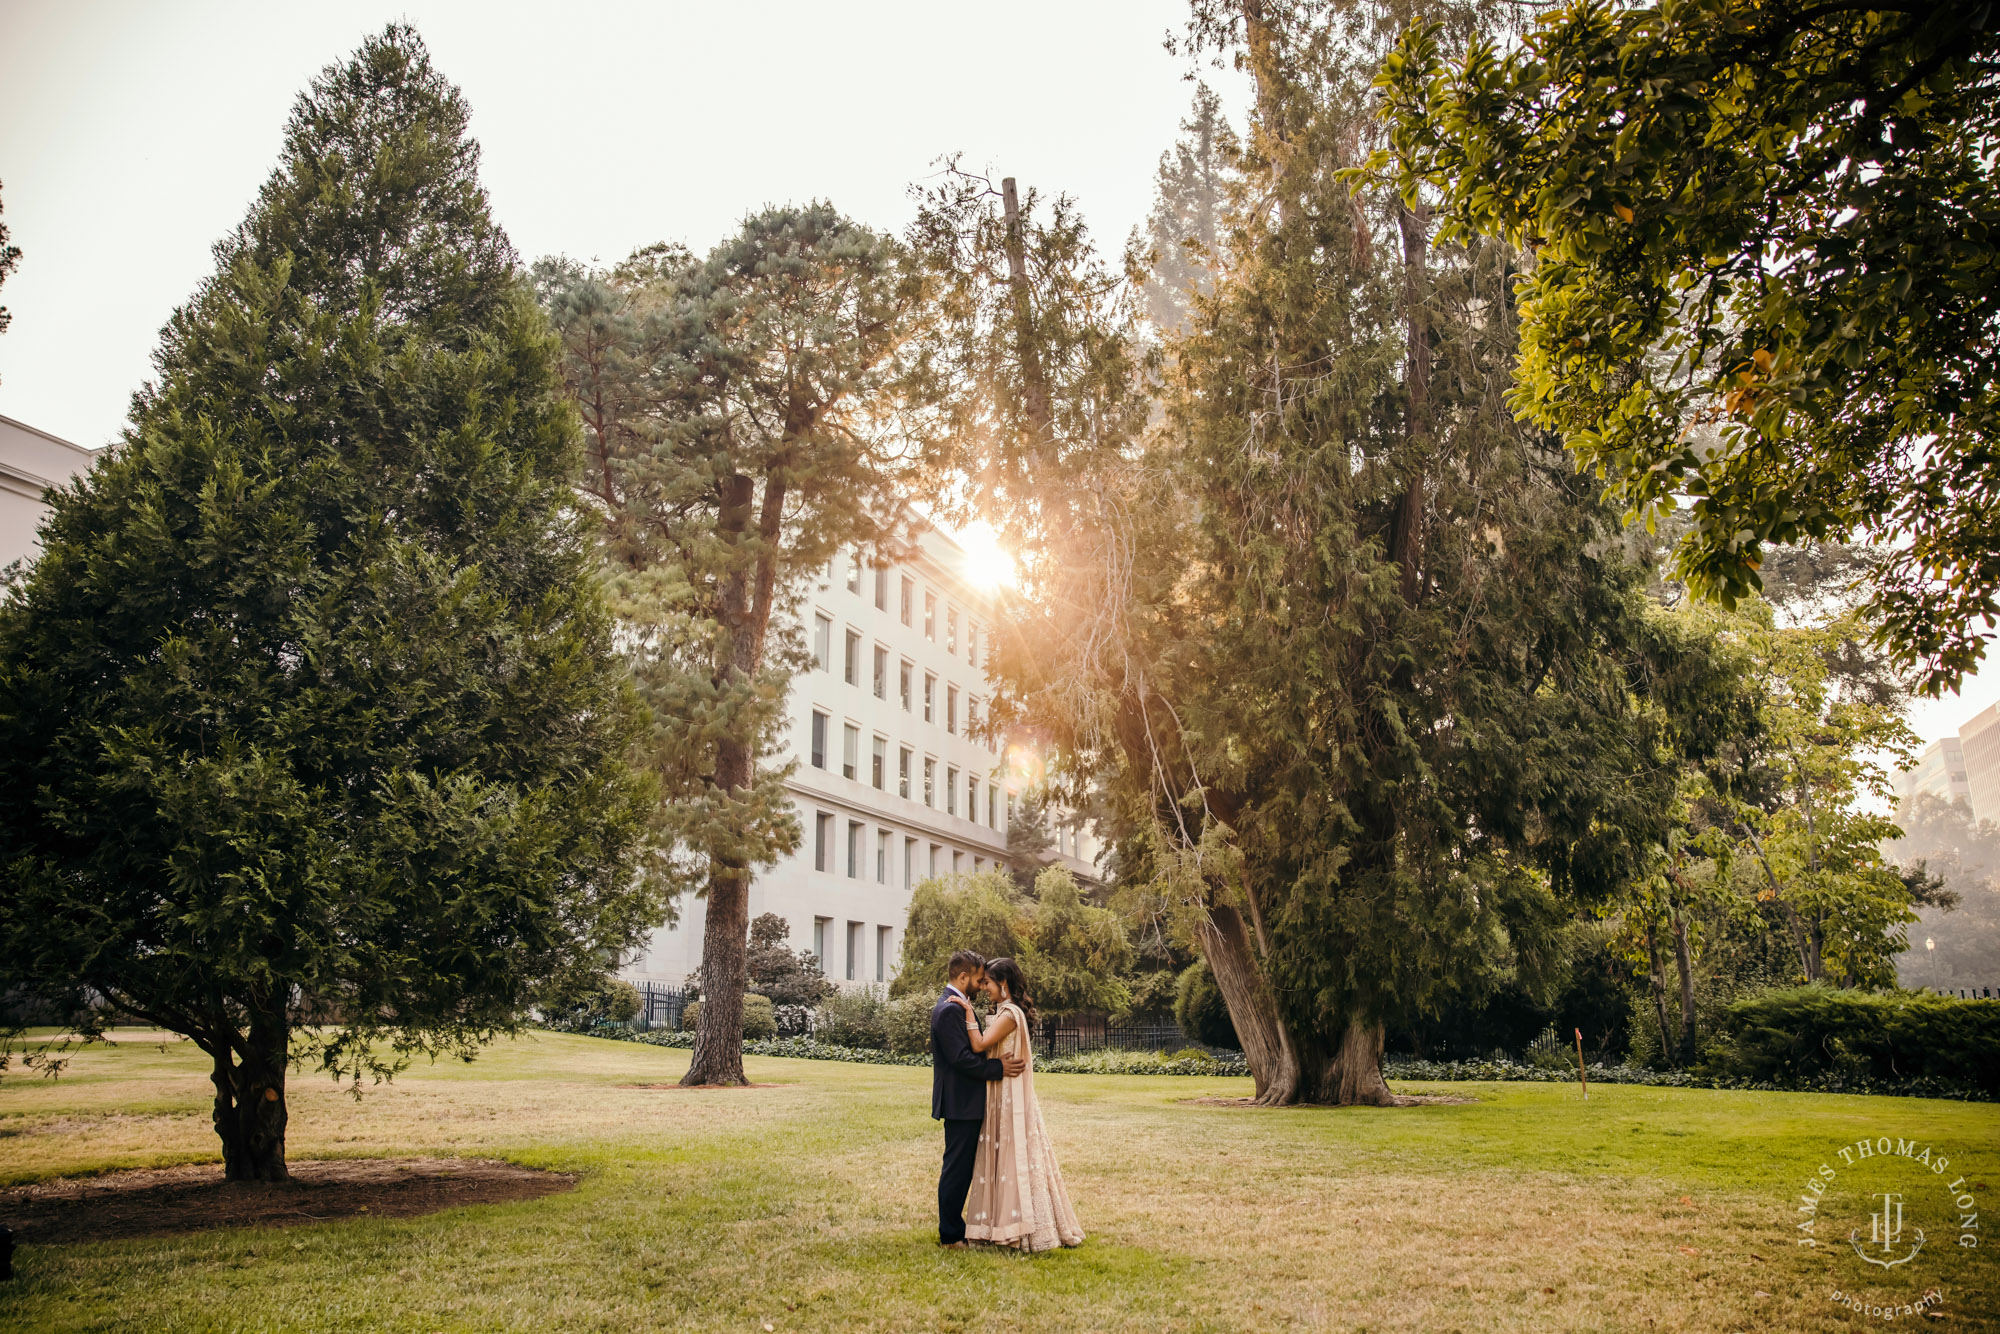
point(1980, 740)
point(31, 462)
point(1940, 771)
point(895, 783)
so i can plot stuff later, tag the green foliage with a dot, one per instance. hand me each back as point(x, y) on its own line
point(776, 971)
point(981, 912)
point(595, 1002)
point(1805, 1033)
point(10, 259)
point(1154, 993)
point(1199, 1009)
point(312, 739)
point(858, 1017)
point(1764, 264)
point(906, 1023)
point(760, 1019)
point(1071, 952)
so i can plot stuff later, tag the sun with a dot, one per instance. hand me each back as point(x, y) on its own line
point(989, 567)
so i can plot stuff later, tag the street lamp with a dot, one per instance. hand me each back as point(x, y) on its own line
point(1930, 947)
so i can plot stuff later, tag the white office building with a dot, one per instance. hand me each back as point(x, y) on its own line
point(895, 781)
point(31, 462)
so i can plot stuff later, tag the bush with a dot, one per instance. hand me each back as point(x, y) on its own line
point(907, 1023)
point(760, 1018)
point(1810, 1033)
point(1153, 994)
point(1200, 1011)
point(593, 1003)
point(1111, 1062)
point(857, 1018)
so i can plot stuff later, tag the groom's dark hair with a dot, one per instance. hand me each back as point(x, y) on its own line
point(963, 962)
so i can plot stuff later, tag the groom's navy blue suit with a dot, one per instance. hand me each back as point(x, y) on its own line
point(959, 1076)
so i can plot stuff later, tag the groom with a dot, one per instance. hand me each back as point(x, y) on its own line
point(959, 1076)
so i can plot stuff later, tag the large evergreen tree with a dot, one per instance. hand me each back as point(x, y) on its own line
point(743, 425)
point(312, 739)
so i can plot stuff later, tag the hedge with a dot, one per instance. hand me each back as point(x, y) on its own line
point(1817, 1033)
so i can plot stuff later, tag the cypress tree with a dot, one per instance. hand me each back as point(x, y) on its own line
point(312, 739)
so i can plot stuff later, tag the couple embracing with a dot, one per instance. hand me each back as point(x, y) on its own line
point(1000, 1182)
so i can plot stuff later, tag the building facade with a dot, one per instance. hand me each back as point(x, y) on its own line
point(896, 781)
point(1940, 771)
point(1980, 743)
point(31, 462)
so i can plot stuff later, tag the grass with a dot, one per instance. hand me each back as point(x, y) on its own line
point(810, 1206)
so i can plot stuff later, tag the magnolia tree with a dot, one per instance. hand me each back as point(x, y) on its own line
point(312, 737)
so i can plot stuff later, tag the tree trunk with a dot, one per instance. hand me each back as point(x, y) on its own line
point(718, 1039)
point(1274, 1064)
point(1354, 1076)
point(1408, 533)
point(1659, 985)
point(250, 1113)
point(1034, 385)
point(1686, 966)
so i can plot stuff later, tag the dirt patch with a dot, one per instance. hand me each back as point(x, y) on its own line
point(158, 1201)
point(1399, 1100)
point(703, 1087)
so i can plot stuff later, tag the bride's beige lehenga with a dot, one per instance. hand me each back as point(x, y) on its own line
point(1018, 1197)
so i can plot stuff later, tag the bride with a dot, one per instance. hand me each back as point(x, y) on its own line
point(1018, 1197)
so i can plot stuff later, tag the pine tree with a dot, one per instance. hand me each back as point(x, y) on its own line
point(743, 426)
point(312, 739)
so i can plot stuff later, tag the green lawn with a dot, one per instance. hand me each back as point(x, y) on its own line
point(810, 1206)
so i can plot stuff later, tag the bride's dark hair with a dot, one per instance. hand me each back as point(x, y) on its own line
point(1008, 972)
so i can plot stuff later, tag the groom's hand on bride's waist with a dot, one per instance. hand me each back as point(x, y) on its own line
point(1014, 1065)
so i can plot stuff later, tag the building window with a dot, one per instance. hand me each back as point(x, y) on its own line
point(993, 807)
point(819, 740)
point(909, 863)
point(1010, 808)
point(903, 684)
point(854, 828)
point(951, 791)
point(951, 630)
point(853, 949)
point(951, 708)
point(972, 715)
point(853, 660)
point(972, 798)
point(957, 860)
point(903, 772)
point(972, 641)
point(935, 850)
point(881, 588)
point(909, 600)
point(884, 937)
point(854, 573)
point(930, 781)
point(881, 856)
point(822, 842)
point(819, 942)
point(822, 642)
point(850, 751)
point(881, 672)
point(878, 764)
point(978, 864)
point(930, 696)
point(930, 616)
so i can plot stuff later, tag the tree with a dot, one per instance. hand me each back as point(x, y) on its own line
point(1959, 918)
point(10, 259)
point(1765, 275)
point(1353, 654)
point(312, 737)
point(1177, 255)
point(1072, 953)
point(775, 970)
point(744, 422)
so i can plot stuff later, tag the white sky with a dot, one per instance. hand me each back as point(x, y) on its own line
point(133, 135)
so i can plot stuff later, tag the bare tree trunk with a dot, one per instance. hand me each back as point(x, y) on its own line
point(250, 1114)
point(1686, 964)
point(1658, 982)
point(1274, 1063)
point(718, 1040)
point(1034, 385)
point(1354, 1076)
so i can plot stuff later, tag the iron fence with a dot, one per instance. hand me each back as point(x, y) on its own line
point(1053, 1040)
point(660, 1005)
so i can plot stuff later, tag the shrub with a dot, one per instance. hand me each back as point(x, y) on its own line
point(1200, 1011)
point(594, 1003)
point(857, 1018)
point(1803, 1034)
point(760, 1018)
point(907, 1023)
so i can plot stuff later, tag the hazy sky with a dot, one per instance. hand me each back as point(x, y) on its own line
point(133, 135)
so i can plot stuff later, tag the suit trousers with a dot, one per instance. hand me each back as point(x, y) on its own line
point(961, 1150)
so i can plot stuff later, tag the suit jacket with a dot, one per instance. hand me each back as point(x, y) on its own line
point(959, 1074)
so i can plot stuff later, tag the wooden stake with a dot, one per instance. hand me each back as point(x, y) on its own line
point(1581, 1077)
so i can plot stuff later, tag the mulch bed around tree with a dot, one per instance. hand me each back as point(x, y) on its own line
point(1401, 1100)
point(194, 1198)
point(703, 1087)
